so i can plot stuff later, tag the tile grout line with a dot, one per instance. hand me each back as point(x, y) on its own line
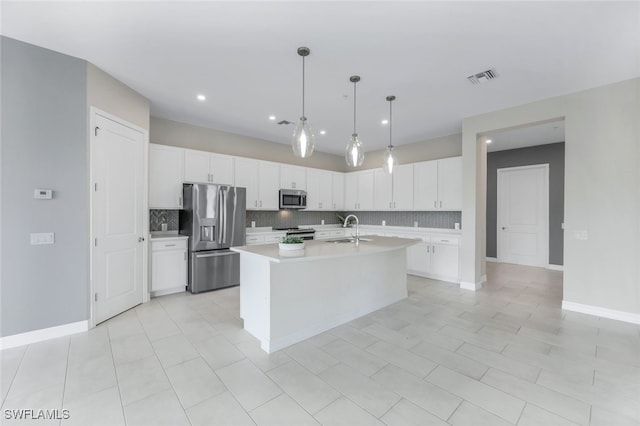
point(13, 379)
point(115, 371)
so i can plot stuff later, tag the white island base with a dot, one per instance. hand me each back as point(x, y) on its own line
point(284, 300)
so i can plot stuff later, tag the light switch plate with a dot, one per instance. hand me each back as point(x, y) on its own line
point(42, 238)
point(42, 194)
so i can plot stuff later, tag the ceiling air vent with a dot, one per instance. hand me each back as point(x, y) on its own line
point(483, 76)
point(284, 122)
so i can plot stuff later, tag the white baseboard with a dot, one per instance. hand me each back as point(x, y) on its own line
point(466, 285)
point(492, 259)
point(36, 336)
point(601, 312)
point(555, 267)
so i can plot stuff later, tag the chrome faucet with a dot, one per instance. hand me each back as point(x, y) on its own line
point(346, 222)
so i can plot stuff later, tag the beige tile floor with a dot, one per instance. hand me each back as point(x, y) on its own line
point(501, 356)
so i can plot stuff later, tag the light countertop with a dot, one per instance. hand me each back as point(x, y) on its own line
point(167, 235)
point(324, 249)
point(264, 230)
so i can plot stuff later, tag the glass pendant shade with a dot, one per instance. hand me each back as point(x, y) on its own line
point(389, 160)
point(354, 153)
point(303, 139)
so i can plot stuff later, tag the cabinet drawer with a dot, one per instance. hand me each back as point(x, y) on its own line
point(322, 234)
point(255, 239)
point(273, 238)
point(177, 244)
point(450, 241)
point(338, 233)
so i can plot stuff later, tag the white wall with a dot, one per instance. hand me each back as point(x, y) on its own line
point(602, 191)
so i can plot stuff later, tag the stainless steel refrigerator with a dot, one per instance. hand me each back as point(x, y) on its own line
point(214, 219)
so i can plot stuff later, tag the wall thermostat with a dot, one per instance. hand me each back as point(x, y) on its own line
point(42, 194)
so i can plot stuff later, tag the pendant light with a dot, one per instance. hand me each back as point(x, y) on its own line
point(354, 153)
point(303, 141)
point(389, 160)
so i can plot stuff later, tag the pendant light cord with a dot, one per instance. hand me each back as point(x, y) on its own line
point(303, 87)
point(390, 125)
point(354, 107)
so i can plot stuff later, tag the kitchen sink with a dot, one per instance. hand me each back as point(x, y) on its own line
point(347, 240)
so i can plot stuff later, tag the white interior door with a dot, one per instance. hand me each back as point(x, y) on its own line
point(117, 171)
point(523, 215)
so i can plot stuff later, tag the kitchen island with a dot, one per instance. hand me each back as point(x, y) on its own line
point(289, 296)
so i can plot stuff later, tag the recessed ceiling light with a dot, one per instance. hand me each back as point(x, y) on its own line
point(201, 97)
point(489, 141)
point(385, 121)
point(323, 132)
point(272, 117)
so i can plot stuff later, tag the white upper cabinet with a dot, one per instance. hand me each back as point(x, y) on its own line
point(425, 185)
point(403, 187)
point(383, 199)
point(262, 181)
point(268, 186)
point(166, 174)
point(394, 191)
point(358, 190)
point(293, 177)
point(338, 190)
point(437, 184)
point(319, 190)
point(450, 184)
point(246, 176)
point(201, 166)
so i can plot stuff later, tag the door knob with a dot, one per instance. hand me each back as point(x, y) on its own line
point(140, 239)
point(504, 228)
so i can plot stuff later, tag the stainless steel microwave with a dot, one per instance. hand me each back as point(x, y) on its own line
point(293, 199)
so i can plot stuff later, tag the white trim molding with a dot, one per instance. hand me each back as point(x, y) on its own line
point(601, 312)
point(555, 267)
point(466, 285)
point(492, 259)
point(42, 334)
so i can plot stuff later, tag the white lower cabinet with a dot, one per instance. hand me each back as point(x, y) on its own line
point(168, 266)
point(435, 257)
point(330, 233)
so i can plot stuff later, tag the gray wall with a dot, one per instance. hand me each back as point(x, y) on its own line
point(43, 146)
point(553, 154)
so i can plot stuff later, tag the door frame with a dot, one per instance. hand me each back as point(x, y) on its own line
point(93, 113)
point(545, 168)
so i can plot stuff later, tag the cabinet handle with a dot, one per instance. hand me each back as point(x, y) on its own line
point(260, 203)
point(185, 255)
point(180, 201)
point(169, 245)
point(293, 185)
point(394, 204)
point(440, 204)
point(428, 250)
point(435, 204)
point(433, 249)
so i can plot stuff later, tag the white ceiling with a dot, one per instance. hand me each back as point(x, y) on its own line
point(242, 56)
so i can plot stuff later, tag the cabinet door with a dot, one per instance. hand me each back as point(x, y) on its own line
point(425, 185)
point(292, 177)
point(365, 190)
point(246, 176)
point(383, 199)
point(351, 191)
point(403, 187)
point(313, 189)
point(418, 258)
point(221, 169)
point(196, 166)
point(268, 186)
point(168, 269)
point(338, 191)
point(450, 183)
point(166, 173)
point(444, 261)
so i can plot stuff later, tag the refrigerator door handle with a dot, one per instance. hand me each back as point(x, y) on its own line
point(214, 254)
point(224, 215)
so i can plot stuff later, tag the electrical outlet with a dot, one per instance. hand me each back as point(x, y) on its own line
point(42, 238)
point(581, 235)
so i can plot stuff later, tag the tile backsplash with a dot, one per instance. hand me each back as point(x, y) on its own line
point(158, 217)
point(290, 218)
